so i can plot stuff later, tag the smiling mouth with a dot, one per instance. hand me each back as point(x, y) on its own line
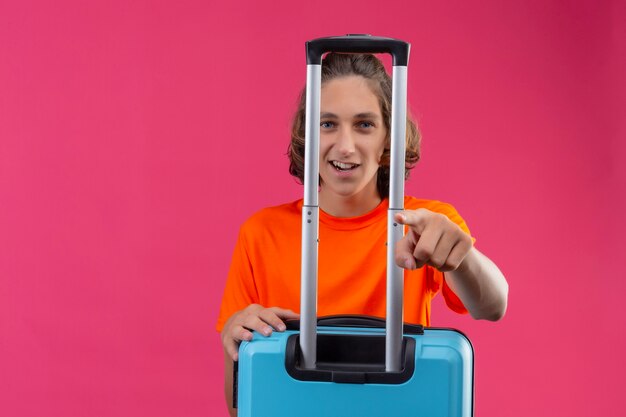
point(343, 166)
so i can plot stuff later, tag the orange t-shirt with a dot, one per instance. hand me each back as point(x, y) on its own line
point(265, 267)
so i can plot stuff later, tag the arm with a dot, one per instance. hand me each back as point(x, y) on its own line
point(480, 285)
point(433, 239)
point(239, 327)
point(228, 384)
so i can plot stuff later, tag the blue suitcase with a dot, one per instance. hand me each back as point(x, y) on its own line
point(353, 365)
point(436, 378)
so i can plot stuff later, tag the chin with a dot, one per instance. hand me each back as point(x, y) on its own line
point(344, 192)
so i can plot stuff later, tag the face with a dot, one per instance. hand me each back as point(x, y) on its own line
point(352, 139)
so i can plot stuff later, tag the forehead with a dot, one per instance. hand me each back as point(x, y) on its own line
point(349, 95)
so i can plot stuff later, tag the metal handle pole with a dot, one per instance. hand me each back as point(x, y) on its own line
point(310, 219)
point(395, 274)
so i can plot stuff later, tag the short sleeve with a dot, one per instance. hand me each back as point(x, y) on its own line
point(453, 302)
point(240, 290)
point(438, 283)
point(452, 214)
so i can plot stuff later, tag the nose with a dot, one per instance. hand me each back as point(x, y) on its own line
point(345, 142)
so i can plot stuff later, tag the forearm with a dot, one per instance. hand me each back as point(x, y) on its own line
point(228, 385)
point(480, 285)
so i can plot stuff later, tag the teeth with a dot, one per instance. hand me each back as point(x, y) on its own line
point(342, 165)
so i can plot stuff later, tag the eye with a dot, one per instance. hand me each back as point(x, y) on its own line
point(327, 125)
point(365, 124)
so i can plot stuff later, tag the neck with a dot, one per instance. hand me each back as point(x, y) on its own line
point(348, 206)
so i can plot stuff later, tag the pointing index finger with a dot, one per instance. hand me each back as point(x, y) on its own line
point(412, 218)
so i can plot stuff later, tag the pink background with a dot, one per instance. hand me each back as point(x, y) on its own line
point(136, 136)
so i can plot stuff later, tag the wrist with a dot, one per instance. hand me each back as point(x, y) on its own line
point(467, 264)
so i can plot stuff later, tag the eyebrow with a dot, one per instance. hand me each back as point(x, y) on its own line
point(367, 115)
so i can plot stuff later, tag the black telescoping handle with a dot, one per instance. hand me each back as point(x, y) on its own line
point(359, 321)
point(398, 49)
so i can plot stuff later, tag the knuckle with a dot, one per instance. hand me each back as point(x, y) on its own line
point(234, 335)
point(465, 243)
point(229, 332)
point(421, 215)
point(232, 332)
point(443, 222)
point(450, 265)
point(249, 321)
point(437, 262)
point(272, 319)
point(252, 308)
point(422, 253)
point(270, 312)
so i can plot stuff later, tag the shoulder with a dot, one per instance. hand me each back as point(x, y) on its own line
point(412, 203)
point(272, 217)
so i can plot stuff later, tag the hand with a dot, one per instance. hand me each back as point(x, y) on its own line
point(432, 239)
point(252, 318)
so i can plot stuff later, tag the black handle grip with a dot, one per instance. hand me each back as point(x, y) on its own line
point(398, 49)
point(356, 321)
point(350, 359)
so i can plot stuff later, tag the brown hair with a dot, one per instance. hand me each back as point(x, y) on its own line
point(336, 65)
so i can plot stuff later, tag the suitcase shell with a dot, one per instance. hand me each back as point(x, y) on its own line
point(354, 367)
point(441, 384)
